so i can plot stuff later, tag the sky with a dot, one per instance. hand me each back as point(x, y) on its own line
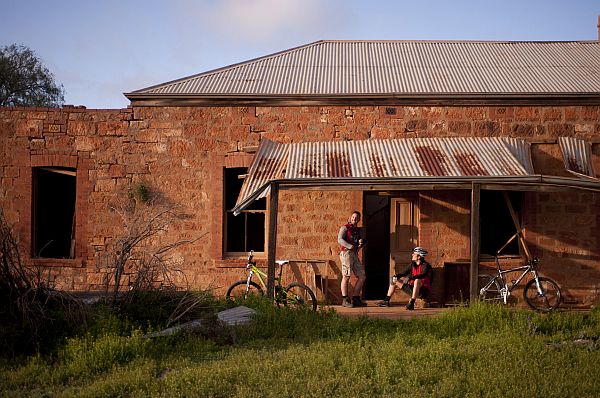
point(100, 49)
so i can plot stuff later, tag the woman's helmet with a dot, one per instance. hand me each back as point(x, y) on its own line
point(420, 251)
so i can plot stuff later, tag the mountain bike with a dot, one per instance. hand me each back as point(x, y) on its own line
point(295, 294)
point(540, 293)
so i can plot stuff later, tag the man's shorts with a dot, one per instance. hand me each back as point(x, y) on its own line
point(351, 263)
point(408, 289)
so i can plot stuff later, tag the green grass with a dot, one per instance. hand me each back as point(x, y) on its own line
point(482, 351)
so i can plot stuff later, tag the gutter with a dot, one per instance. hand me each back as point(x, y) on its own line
point(527, 183)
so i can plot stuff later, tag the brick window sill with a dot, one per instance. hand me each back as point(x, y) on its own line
point(57, 262)
point(240, 262)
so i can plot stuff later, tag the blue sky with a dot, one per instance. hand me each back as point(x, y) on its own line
point(99, 49)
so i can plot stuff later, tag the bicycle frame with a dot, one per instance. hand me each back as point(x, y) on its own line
point(506, 288)
point(254, 270)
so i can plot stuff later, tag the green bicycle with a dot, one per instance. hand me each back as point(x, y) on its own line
point(295, 294)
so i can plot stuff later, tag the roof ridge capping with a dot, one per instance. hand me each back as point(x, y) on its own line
point(454, 41)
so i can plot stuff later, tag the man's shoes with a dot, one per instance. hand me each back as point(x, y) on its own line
point(383, 303)
point(411, 305)
point(347, 303)
point(357, 302)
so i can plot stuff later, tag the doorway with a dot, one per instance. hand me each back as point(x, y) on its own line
point(391, 223)
point(377, 251)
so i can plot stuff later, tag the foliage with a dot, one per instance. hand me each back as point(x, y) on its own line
point(144, 215)
point(165, 308)
point(32, 314)
point(464, 352)
point(25, 81)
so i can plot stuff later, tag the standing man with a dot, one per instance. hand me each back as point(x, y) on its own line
point(418, 282)
point(350, 239)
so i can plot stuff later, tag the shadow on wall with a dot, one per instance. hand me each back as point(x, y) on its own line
point(575, 273)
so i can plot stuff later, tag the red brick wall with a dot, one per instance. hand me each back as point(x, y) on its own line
point(563, 230)
point(181, 151)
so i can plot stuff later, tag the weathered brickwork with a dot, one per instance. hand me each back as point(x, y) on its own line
point(181, 152)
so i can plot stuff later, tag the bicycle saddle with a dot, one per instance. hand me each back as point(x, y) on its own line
point(282, 262)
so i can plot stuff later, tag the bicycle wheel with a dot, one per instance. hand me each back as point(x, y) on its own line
point(299, 295)
point(238, 291)
point(489, 289)
point(550, 296)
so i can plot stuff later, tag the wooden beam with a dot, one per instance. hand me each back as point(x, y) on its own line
point(475, 234)
point(407, 186)
point(272, 243)
point(517, 223)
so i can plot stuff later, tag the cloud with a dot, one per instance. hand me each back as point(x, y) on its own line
point(263, 19)
point(259, 21)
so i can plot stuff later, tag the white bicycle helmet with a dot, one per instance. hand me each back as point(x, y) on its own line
point(420, 251)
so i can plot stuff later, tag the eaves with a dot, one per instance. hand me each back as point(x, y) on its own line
point(476, 99)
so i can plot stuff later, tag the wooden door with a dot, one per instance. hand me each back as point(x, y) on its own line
point(404, 233)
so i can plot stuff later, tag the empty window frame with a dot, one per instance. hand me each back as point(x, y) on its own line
point(497, 225)
point(53, 212)
point(246, 231)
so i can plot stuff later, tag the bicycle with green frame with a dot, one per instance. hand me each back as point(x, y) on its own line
point(295, 294)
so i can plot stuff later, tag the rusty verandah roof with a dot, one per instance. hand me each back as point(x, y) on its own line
point(577, 156)
point(411, 157)
point(402, 162)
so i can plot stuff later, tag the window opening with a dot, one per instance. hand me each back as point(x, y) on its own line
point(497, 225)
point(53, 212)
point(245, 231)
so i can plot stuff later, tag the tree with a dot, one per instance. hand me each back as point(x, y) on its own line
point(25, 81)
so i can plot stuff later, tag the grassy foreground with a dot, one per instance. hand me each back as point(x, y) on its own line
point(482, 351)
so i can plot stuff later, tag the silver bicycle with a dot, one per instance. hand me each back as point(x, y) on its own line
point(540, 293)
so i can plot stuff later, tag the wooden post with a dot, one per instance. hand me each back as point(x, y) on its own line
point(272, 244)
point(475, 233)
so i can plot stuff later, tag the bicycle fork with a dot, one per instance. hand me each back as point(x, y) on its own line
point(538, 285)
point(504, 292)
point(248, 280)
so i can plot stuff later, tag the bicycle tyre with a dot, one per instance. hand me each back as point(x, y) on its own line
point(298, 295)
point(492, 293)
point(237, 291)
point(550, 300)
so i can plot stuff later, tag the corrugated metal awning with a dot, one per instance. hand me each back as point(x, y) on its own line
point(577, 156)
point(384, 159)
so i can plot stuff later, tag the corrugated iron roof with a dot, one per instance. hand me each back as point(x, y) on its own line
point(269, 164)
point(577, 156)
point(392, 158)
point(411, 157)
point(396, 68)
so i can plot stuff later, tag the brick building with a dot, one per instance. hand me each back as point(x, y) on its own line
point(430, 140)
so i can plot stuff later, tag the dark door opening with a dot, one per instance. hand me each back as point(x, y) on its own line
point(497, 225)
point(53, 211)
point(377, 251)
